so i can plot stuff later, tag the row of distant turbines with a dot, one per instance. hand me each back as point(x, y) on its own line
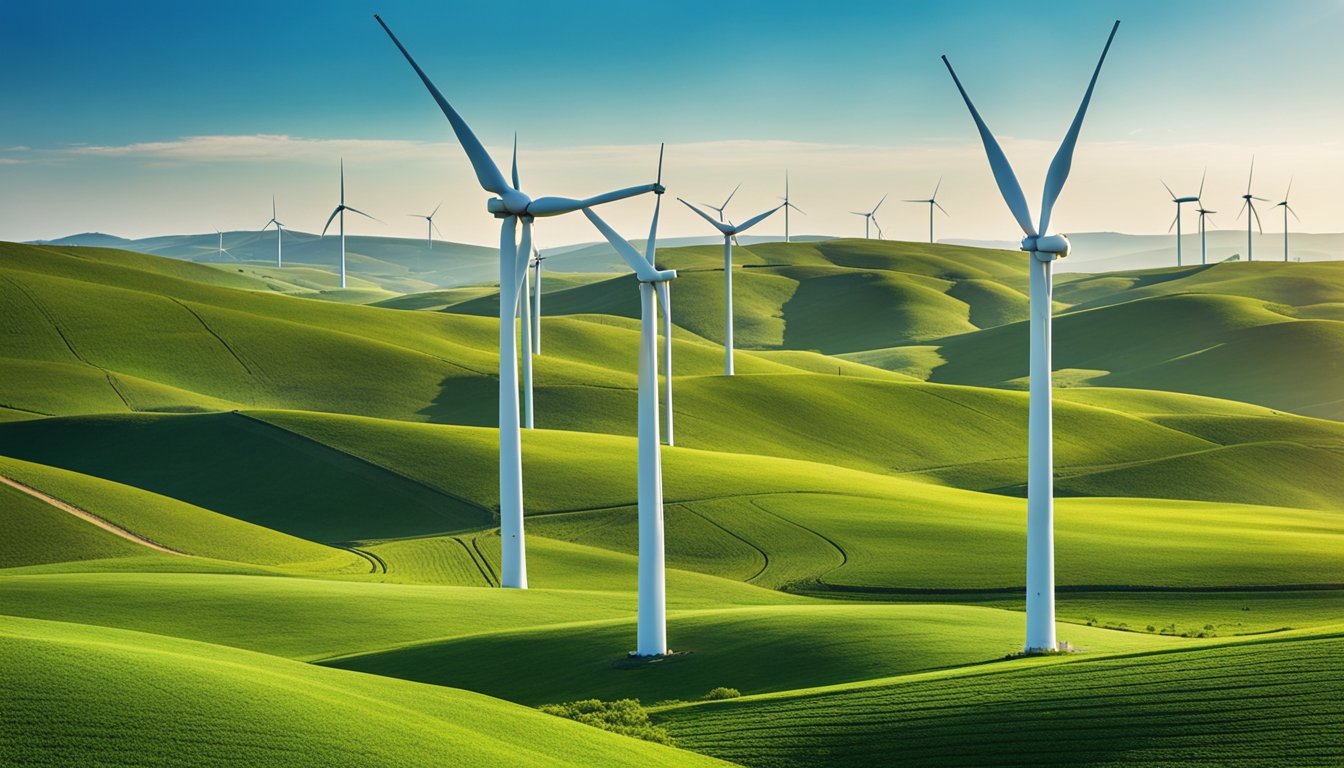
point(1247, 209)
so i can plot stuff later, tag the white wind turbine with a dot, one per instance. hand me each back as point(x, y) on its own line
point(1176, 222)
point(221, 251)
point(1204, 214)
point(1248, 203)
point(932, 202)
point(525, 322)
point(871, 216)
point(729, 232)
point(537, 258)
point(787, 205)
point(510, 206)
point(1287, 209)
point(341, 208)
point(651, 628)
point(430, 227)
point(720, 208)
point(1044, 248)
point(279, 234)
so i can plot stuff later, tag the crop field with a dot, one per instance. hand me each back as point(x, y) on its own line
point(236, 495)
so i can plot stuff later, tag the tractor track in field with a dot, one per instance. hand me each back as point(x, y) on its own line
point(765, 557)
point(483, 563)
point(844, 556)
point(377, 565)
point(89, 517)
point(476, 560)
point(227, 347)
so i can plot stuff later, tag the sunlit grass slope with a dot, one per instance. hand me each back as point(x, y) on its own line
point(80, 695)
point(1271, 702)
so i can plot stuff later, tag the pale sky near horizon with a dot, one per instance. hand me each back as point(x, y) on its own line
point(167, 118)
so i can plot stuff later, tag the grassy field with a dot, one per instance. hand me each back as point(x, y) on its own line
point(229, 480)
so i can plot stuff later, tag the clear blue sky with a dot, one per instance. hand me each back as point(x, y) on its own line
point(134, 80)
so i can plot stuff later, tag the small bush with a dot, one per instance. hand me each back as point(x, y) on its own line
point(626, 717)
point(721, 693)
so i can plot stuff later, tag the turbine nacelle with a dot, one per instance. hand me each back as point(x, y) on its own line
point(1046, 247)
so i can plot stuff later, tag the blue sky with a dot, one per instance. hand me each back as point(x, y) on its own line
point(146, 119)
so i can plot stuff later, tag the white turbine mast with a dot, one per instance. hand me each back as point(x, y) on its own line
point(787, 205)
point(341, 208)
point(729, 232)
point(511, 206)
point(871, 216)
point(1205, 218)
point(1248, 207)
point(430, 227)
point(1287, 209)
point(1043, 248)
point(279, 235)
point(651, 628)
point(537, 259)
point(932, 202)
point(1179, 201)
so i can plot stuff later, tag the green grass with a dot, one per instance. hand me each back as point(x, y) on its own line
point(72, 694)
point(1274, 702)
point(38, 533)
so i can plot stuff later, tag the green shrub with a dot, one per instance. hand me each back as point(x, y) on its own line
point(721, 693)
point(625, 716)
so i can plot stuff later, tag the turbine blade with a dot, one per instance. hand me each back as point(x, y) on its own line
point(879, 205)
point(998, 163)
point(487, 173)
point(1250, 175)
point(515, 160)
point(796, 208)
point(661, 147)
point(1201, 183)
point(365, 215)
point(1059, 167)
point(554, 206)
point(435, 211)
point(651, 245)
point(1256, 215)
point(1290, 210)
point(1169, 192)
point(749, 223)
point(878, 227)
point(1290, 189)
point(939, 186)
point(717, 224)
point(730, 197)
point(435, 227)
point(1173, 223)
point(642, 268)
point(941, 208)
point(333, 218)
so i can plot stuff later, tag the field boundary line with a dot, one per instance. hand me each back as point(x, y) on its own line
point(89, 517)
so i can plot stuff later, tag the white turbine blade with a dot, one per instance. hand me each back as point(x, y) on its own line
point(515, 160)
point(333, 218)
point(878, 227)
point(435, 212)
point(435, 227)
point(796, 208)
point(651, 245)
point(879, 205)
point(717, 224)
point(365, 215)
point(730, 197)
point(554, 206)
point(1169, 192)
point(1290, 189)
point(1201, 183)
point(940, 207)
point(1250, 175)
point(641, 266)
point(1242, 210)
point(998, 163)
point(1290, 210)
point(1173, 223)
point(1256, 215)
point(487, 173)
point(939, 186)
point(749, 223)
point(1059, 167)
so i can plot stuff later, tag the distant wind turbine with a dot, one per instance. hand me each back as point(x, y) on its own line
point(537, 258)
point(1204, 213)
point(729, 232)
point(651, 627)
point(429, 221)
point(279, 234)
point(511, 206)
point(1247, 202)
point(1044, 248)
point(729, 199)
point(220, 252)
point(871, 216)
point(932, 202)
point(787, 205)
point(1179, 201)
point(340, 211)
point(1287, 209)
point(525, 322)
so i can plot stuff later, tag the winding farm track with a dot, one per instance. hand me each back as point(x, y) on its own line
point(89, 517)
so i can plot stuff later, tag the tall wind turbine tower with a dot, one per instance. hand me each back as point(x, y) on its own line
point(1176, 222)
point(279, 235)
point(1248, 207)
point(1205, 215)
point(932, 202)
point(429, 221)
point(729, 232)
point(1287, 209)
point(871, 216)
point(512, 207)
point(651, 628)
point(341, 208)
point(1044, 248)
point(787, 205)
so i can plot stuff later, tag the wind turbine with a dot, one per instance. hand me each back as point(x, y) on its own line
point(720, 208)
point(1179, 201)
point(932, 202)
point(787, 205)
point(651, 628)
point(1204, 213)
point(537, 258)
point(429, 220)
point(221, 252)
point(1287, 209)
point(871, 216)
point(279, 234)
point(1247, 203)
point(525, 321)
point(510, 206)
point(729, 232)
point(340, 211)
point(1044, 248)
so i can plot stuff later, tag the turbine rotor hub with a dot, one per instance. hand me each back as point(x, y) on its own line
point(1046, 247)
point(511, 203)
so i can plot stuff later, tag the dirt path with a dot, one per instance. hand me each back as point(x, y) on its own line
point(88, 516)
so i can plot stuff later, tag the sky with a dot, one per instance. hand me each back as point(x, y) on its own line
point(154, 118)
